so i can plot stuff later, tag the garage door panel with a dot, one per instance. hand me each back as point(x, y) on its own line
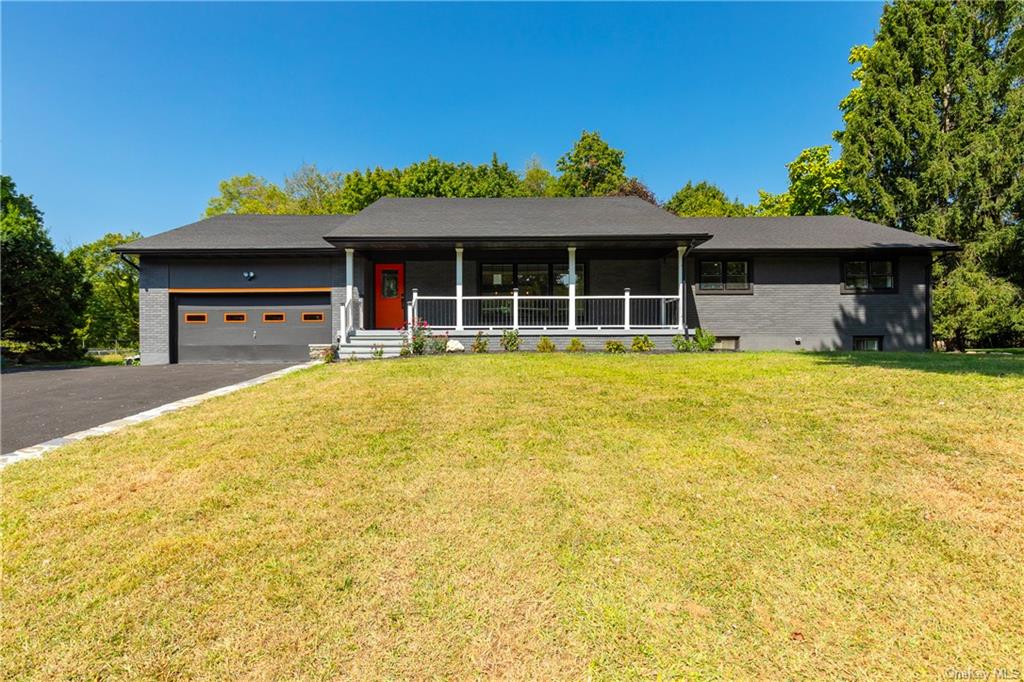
point(253, 340)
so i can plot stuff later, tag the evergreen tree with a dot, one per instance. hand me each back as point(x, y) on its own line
point(934, 137)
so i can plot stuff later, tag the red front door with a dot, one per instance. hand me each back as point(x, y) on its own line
point(389, 283)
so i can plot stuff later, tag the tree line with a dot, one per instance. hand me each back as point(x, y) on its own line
point(54, 304)
point(932, 142)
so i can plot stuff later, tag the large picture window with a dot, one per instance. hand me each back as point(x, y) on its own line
point(724, 276)
point(869, 275)
point(532, 279)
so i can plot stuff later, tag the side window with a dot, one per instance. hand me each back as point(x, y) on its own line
point(724, 275)
point(236, 318)
point(273, 317)
point(195, 318)
point(869, 275)
point(312, 317)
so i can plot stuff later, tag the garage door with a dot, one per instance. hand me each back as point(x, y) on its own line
point(249, 327)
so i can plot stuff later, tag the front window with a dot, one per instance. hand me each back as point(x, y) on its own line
point(560, 287)
point(532, 279)
point(869, 275)
point(724, 275)
point(497, 279)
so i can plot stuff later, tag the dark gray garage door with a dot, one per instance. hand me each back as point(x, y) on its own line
point(249, 327)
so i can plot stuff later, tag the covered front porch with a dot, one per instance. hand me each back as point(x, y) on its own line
point(589, 289)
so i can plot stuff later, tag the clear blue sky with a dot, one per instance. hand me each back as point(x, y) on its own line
point(125, 116)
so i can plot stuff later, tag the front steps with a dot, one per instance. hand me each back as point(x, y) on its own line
point(363, 342)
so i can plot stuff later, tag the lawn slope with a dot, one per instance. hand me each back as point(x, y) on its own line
point(728, 515)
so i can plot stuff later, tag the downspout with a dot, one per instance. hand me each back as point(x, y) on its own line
point(686, 291)
point(929, 343)
point(129, 261)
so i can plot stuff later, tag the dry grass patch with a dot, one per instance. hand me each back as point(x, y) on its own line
point(542, 516)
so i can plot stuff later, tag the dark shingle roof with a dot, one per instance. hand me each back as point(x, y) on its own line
point(609, 218)
point(231, 232)
point(616, 217)
point(806, 233)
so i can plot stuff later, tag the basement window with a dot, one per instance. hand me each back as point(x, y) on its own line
point(273, 317)
point(312, 317)
point(235, 318)
point(871, 343)
point(195, 318)
point(727, 343)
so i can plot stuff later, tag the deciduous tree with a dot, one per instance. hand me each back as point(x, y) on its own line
point(704, 200)
point(42, 292)
point(591, 168)
point(112, 312)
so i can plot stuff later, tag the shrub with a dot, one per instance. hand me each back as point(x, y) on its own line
point(418, 335)
point(510, 340)
point(642, 344)
point(480, 343)
point(705, 340)
point(683, 344)
point(378, 351)
point(545, 345)
point(438, 343)
point(575, 346)
point(613, 346)
point(405, 351)
point(702, 341)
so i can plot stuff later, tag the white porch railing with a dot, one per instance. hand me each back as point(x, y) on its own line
point(547, 312)
point(351, 316)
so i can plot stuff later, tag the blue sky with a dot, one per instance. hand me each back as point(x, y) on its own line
point(125, 116)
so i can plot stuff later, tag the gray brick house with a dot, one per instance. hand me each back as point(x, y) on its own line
point(262, 288)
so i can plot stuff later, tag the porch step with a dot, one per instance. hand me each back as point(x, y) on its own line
point(347, 352)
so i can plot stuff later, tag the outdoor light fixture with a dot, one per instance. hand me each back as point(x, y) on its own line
point(248, 275)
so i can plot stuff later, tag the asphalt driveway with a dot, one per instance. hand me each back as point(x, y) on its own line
point(39, 404)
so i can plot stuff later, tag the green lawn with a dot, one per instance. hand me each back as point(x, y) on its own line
point(537, 516)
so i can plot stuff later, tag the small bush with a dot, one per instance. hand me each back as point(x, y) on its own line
point(683, 344)
point(613, 346)
point(480, 343)
point(405, 351)
point(378, 351)
point(510, 340)
point(575, 346)
point(545, 345)
point(418, 335)
point(642, 344)
point(438, 343)
point(705, 340)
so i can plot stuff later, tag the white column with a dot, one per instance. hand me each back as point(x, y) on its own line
point(458, 288)
point(349, 275)
point(515, 308)
point(625, 314)
point(682, 287)
point(572, 287)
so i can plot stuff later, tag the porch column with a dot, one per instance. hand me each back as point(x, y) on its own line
point(458, 288)
point(681, 250)
point(349, 265)
point(572, 287)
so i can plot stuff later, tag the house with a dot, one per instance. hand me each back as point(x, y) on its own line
point(265, 287)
